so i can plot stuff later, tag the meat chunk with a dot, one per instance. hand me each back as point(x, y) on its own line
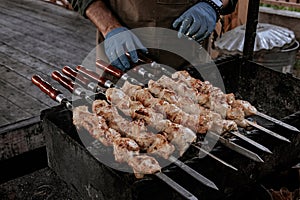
point(143, 164)
point(125, 149)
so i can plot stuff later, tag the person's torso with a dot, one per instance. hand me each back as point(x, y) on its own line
point(154, 13)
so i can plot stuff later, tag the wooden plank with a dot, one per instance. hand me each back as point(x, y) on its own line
point(7, 107)
point(26, 24)
point(35, 39)
point(4, 121)
point(40, 49)
point(31, 65)
point(43, 9)
point(59, 17)
point(21, 99)
point(27, 87)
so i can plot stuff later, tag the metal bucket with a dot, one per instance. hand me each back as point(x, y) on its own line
point(275, 47)
point(282, 60)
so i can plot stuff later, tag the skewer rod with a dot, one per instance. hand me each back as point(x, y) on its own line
point(268, 131)
point(176, 186)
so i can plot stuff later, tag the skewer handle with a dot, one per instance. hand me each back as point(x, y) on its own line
point(63, 80)
point(109, 68)
point(101, 80)
point(68, 71)
point(46, 87)
point(117, 73)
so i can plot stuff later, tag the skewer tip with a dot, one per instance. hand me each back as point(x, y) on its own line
point(287, 140)
point(276, 121)
point(268, 151)
point(296, 130)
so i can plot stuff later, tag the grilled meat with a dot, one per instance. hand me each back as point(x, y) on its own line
point(152, 118)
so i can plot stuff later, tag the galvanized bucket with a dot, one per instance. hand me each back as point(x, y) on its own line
point(275, 47)
point(283, 60)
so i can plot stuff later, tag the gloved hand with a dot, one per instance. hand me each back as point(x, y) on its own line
point(197, 22)
point(116, 45)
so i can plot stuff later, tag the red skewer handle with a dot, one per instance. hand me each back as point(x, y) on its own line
point(68, 71)
point(109, 68)
point(46, 87)
point(63, 80)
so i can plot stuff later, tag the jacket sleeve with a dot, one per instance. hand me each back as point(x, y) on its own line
point(80, 5)
point(230, 8)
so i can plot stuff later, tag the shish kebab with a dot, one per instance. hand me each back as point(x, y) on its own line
point(73, 75)
point(224, 141)
point(214, 101)
point(200, 122)
point(125, 149)
point(145, 60)
point(153, 143)
point(181, 110)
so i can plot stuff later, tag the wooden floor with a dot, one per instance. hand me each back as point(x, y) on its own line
point(36, 38)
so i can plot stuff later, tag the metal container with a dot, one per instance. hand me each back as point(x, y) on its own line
point(283, 60)
point(275, 47)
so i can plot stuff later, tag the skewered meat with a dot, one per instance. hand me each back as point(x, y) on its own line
point(136, 130)
point(217, 101)
point(125, 149)
point(206, 87)
point(213, 121)
point(143, 164)
point(197, 123)
point(94, 124)
point(153, 119)
point(183, 90)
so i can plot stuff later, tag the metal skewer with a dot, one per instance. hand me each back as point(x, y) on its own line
point(116, 72)
point(260, 128)
point(237, 148)
point(276, 121)
point(67, 83)
point(153, 64)
point(215, 157)
point(54, 93)
point(112, 68)
point(175, 186)
point(74, 75)
point(268, 131)
point(71, 86)
point(94, 77)
point(250, 141)
point(193, 173)
point(144, 59)
point(256, 144)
